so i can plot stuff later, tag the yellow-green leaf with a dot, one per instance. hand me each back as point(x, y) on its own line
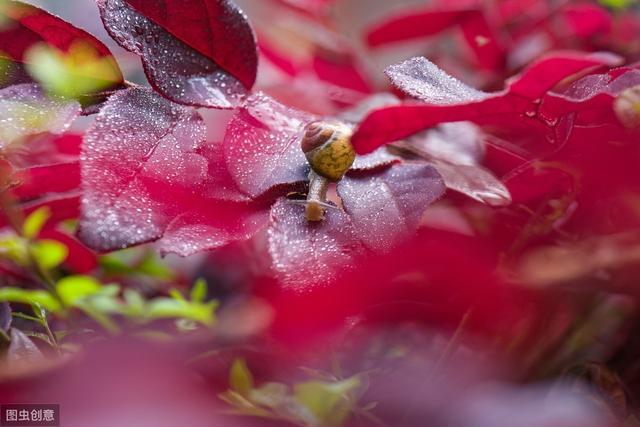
point(35, 221)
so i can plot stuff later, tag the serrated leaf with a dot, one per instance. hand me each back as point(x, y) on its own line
point(157, 152)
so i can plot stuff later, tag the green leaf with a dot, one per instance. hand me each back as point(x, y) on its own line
point(330, 403)
point(240, 378)
point(49, 253)
point(75, 288)
point(617, 4)
point(28, 296)
point(151, 266)
point(79, 70)
point(35, 221)
point(199, 290)
point(14, 248)
point(159, 308)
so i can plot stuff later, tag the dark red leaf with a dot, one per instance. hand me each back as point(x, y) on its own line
point(387, 207)
point(25, 26)
point(200, 53)
point(550, 70)
point(262, 146)
point(306, 254)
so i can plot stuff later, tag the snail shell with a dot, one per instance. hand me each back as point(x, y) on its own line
point(328, 149)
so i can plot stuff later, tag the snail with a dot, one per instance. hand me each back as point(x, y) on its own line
point(327, 147)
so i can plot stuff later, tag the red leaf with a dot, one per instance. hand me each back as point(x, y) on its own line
point(24, 26)
point(593, 92)
point(202, 53)
point(131, 157)
point(205, 229)
point(25, 110)
point(449, 100)
point(423, 23)
point(387, 207)
point(456, 150)
point(145, 177)
point(216, 28)
point(42, 180)
point(262, 146)
point(306, 254)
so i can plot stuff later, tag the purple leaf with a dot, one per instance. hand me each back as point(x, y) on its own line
point(456, 150)
point(386, 208)
point(306, 254)
point(262, 146)
point(474, 181)
point(379, 159)
point(174, 68)
point(422, 79)
point(5, 316)
point(137, 168)
point(198, 231)
point(22, 349)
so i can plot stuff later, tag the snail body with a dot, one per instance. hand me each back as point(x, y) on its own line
point(327, 147)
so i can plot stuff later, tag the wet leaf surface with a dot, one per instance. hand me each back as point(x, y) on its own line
point(201, 59)
point(387, 207)
point(157, 153)
point(307, 254)
point(449, 100)
point(262, 146)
